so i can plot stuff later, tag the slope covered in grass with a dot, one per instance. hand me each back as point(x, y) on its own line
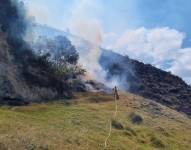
point(83, 124)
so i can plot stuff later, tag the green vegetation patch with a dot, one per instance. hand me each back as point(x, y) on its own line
point(116, 124)
point(84, 125)
point(135, 118)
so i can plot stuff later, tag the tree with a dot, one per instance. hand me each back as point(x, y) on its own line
point(62, 55)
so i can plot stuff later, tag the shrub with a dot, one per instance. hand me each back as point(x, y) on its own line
point(135, 118)
point(117, 125)
point(157, 142)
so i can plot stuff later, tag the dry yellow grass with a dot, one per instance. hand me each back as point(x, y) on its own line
point(83, 124)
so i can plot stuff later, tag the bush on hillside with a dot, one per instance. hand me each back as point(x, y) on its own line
point(62, 58)
point(117, 125)
point(135, 118)
point(156, 142)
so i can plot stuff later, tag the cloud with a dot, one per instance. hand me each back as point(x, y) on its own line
point(161, 47)
point(182, 65)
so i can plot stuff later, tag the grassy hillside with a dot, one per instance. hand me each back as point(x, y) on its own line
point(83, 124)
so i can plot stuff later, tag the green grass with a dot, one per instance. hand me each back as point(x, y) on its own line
point(83, 124)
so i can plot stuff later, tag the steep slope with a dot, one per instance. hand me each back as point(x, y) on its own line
point(25, 77)
point(83, 123)
point(135, 76)
point(148, 81)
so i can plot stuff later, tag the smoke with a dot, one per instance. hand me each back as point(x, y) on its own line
point(83, 24)
point(119, 69)
point(87, 27)
point(13, 21)
point(91, 32)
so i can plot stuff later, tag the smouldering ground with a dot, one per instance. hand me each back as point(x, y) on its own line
point(83, 124)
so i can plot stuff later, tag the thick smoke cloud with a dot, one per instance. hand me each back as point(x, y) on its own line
point(13, 21)
point(86, 26)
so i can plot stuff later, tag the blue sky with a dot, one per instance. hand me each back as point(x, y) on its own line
point(152, 31)
point(126, 13)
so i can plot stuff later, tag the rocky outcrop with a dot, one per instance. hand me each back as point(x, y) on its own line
point(147, 81)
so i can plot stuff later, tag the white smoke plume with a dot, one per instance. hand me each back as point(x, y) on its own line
point(87, 27)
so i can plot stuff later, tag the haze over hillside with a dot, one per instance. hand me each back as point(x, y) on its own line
point(62, 90)
point(156, 33)
point(131, 75)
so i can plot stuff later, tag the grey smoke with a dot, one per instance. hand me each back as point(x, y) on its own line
point(57, 47)
point(13, 21)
